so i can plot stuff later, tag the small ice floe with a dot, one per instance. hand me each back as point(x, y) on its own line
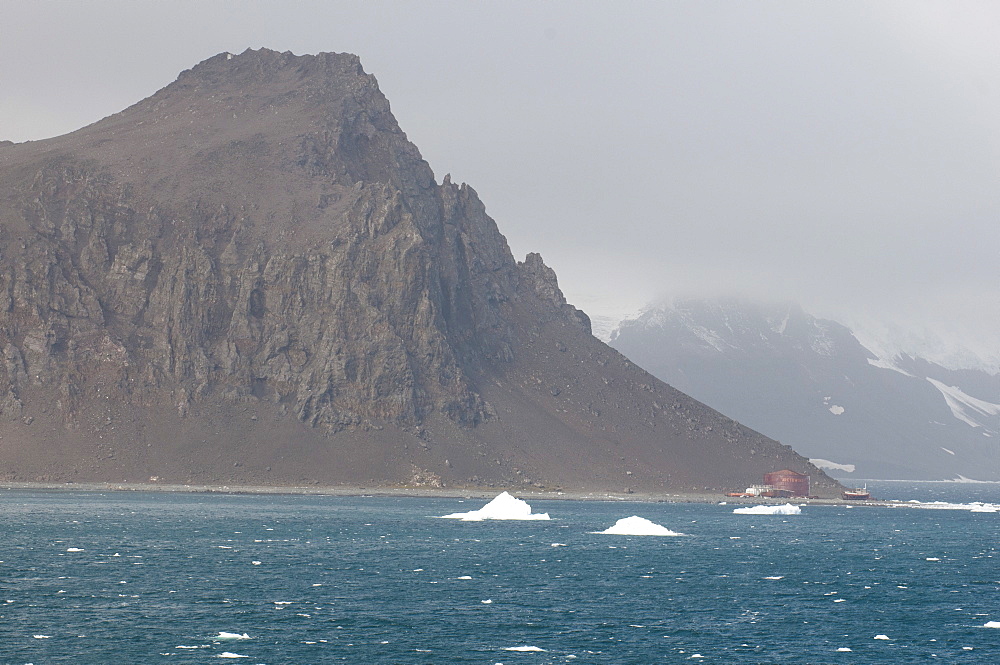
point(775, 577)
point(843, 649)
point(932, 558)
point(786, 509)
point(526, 648)
point(880, 637)
point(184, 646)
point(255, 563)
point(638, 526)
point(839, 600)
point(42, 637)
point(988, 624)
point(230, 654)
point(558, 544)
point(488, 601)
point(502, 507)
point(231, 636)
point(974, 507)
point(75, 549)
point(464, 577)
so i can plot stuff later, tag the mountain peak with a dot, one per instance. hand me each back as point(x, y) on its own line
point(252, 277)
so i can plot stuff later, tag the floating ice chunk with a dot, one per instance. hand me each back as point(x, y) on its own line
point(74, 549)
point(255, 563)
point(527, 648)
point(786, 509)
point(638, 526)
point(843, 649)
point(558, 544)
point(464, 577)
point(836, 410)
point(932, 558)
point(974, 507)
point(880, 637)
point(839, 600)
point(181, 646)
point(502, 507)
point(41, 637)
point(231, 636)
point(775, 577)
point(988, 624)
point(488, 601)
point(230, 654)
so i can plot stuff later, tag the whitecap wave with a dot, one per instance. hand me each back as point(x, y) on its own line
point(786, 509)
point(973, 507)
point(525, 648)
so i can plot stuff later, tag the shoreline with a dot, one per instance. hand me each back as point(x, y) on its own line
point(436, 492)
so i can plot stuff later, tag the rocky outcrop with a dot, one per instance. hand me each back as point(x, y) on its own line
point(252, 276)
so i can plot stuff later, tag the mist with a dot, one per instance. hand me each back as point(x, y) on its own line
point(840, 155)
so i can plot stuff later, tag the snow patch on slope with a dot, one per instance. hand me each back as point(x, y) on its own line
point(965, 407)
point(833, 466)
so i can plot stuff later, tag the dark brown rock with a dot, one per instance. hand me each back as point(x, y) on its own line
point(253, 277)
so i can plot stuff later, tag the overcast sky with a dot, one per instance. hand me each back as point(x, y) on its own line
point(845, 155)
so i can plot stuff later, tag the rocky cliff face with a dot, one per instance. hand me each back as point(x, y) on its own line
point(252, 276)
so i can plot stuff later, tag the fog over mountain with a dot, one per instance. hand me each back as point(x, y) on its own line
point(811, 383)
point(841, 155)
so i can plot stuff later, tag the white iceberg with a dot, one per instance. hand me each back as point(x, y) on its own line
point(991, 624)
point(230, 654)
point(231, 636)
point(524, 649)
point(786, 509)
point(638, 526)
point(502, 507)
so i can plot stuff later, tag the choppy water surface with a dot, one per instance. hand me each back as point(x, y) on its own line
point(158, 578)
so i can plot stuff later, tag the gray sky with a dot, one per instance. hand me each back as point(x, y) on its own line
point(841, 154)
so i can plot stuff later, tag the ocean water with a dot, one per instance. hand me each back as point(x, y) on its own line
point(174, 578)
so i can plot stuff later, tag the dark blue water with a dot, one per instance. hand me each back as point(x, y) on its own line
point(155, 578)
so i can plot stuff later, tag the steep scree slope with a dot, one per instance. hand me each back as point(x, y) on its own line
point(253, 277)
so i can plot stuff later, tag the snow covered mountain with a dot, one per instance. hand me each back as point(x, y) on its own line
point(811, 384)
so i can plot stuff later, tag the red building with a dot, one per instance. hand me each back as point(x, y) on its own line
point(796, 484)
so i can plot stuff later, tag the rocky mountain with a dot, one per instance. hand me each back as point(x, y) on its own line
point(811, 383)
point(252, 277)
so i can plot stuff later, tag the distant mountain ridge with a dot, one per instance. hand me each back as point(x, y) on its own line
point(810, 383)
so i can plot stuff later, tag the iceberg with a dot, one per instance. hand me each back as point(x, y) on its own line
point(502, 507)
point(638, 526)
point(529, 648)
point(231, 636)
point(991, 624)
point(786, 509)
